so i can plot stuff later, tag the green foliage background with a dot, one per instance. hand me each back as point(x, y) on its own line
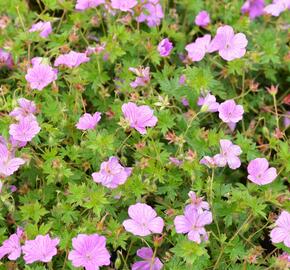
point(56, 193)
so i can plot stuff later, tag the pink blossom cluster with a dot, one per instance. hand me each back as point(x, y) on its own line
point(41, 249)
point(89, 251)
point(151, 10)
point(21, 132)
point(194, 219)
point(258, 169)
point(229, 45)
point(27, 126)
point(229, 112)
point(44, 29)
point(256, 8)
point(112, 173)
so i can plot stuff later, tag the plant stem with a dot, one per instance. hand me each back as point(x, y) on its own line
point(233, 237)
point(153, 258)
point(276, 111)
point(190, 123)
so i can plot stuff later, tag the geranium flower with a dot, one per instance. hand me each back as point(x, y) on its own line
point(25, 130)
point(89, 251)
point(165, 47)
point(202, 19)
point(277, 7)
point(281, 231)
point(41, 249)
point(139, 117)
point(197, 203)
point(254, 8)
point(192, 223)
point(71, 59)
point(27, 108)
point(149, 263)
point(198, 49)
point(260, 173)
point(85, 4)
point(144, 220)
point(11, 246)
point(208, 103)
point(208, 161)
point(229, 154)
point(143, 76)
point(8, 163)
point(229, 45)
point(6, 59)
point(44, 28)
point(123, 5)
point(40, 75)
point(230, 112)
point(88, 121)
point(152, 13)
point(112, 173)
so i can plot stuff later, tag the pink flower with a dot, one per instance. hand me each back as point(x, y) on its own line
point(143, 76)
point(8, 163)
point(254, 8)
point(281, 231)
point(175, 161)
point(192, 223)
point(149, 263)
point(139, 117)
point(26, 108)
point(230, 45)
point(40, 75)
point(71, 59)
point(123, 5)
point(260, 173)
point(152, 13)
point(41, 249)
point(16, 144)
point(89, 251)
point(6, 59)
point(13, 188)
point(182, 80)
point(229, 153)
point(208, 161)
point(112, 173)
point(185, 102)
point(198, 49)
point(97, 49)
point(277, 7)
point(286, 120)
point(11, 246)
point(229, 112)
point(44, 28)
point(144, 220)
point(165, 47)
point(208, 103)
point(25, 130)
point(88, 121)
point(197, 203)
point(202, 19)
point(85, 4)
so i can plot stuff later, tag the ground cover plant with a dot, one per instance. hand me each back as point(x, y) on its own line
point(144, 134)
